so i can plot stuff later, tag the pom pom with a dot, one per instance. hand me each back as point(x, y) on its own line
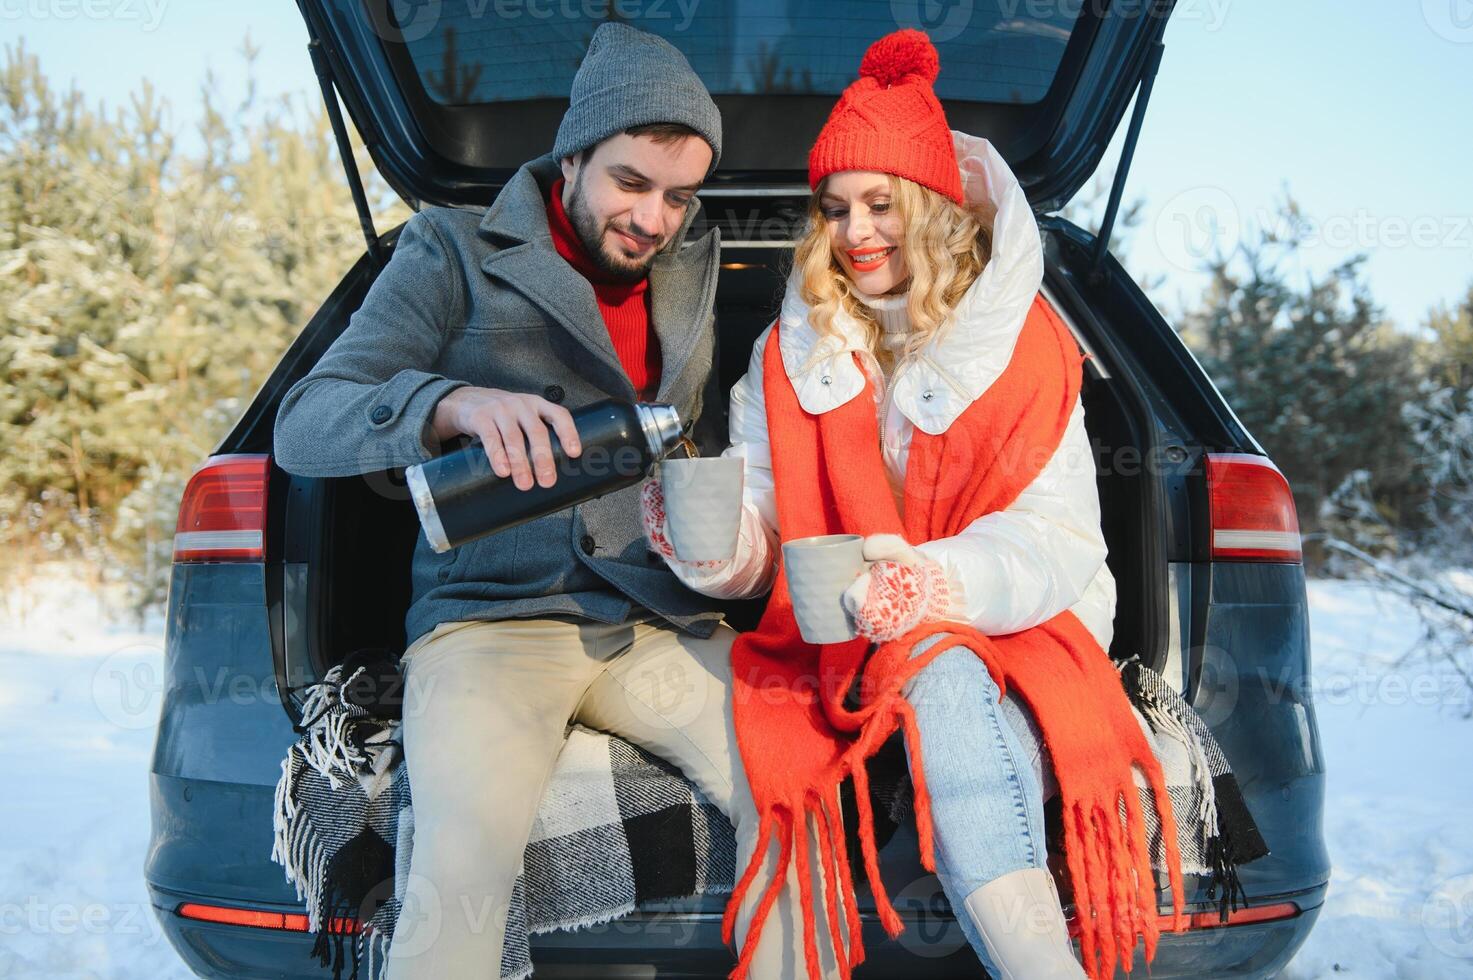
point(907, 52)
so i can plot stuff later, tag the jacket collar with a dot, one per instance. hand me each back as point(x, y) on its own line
point(682, 280)
point(975, 345)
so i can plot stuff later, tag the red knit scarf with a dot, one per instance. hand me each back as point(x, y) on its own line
point(624, 305)
point(798, 741)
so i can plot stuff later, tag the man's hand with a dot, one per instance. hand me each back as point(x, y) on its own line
point(512, 427)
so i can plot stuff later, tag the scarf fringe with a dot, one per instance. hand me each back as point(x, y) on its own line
point(832, 855)
point(1105, 846)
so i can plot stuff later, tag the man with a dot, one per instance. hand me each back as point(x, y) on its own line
point(572, 287)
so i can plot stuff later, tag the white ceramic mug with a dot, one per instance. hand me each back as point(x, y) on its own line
point(819, 569)
point(703, 506)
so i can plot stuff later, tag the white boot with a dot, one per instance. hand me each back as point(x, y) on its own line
point(1020, 920)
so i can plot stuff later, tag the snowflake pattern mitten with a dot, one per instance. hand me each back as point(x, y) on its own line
point(900, 597)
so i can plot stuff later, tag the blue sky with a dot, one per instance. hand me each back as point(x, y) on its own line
point(1362, 111)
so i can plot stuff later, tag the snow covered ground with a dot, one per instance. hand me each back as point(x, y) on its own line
point(78, 704)
point(80, 695)
point(1399, 757)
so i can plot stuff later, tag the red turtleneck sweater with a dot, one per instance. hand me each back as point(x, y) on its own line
point(625, 305)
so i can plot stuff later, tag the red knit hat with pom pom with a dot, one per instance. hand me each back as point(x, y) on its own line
point(890, 119)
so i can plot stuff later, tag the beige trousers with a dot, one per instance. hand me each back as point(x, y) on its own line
point(486, 709)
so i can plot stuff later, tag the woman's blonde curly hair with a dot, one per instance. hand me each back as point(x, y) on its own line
point(947, 245)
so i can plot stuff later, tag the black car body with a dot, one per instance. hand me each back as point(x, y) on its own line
point(276, 576)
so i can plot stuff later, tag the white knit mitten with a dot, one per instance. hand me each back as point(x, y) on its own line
point(901, 590)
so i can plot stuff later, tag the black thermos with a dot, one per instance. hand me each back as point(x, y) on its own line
point(460, 498)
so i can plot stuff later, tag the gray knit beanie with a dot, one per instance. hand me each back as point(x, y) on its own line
point(631, 78)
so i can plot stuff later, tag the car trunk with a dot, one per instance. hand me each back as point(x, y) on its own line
point(451, 101)
point(337, 565)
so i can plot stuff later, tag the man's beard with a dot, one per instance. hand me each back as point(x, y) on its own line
point(592, 236)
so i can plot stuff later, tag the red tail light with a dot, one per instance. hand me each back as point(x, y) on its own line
point(1213, 920)
point(256, 918)
point(1253, 516)
point(223, 514)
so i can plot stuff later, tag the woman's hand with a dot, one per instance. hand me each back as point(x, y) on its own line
point(652, 512)
point(901, 590)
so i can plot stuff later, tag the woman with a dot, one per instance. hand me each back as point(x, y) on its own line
point(913, 344)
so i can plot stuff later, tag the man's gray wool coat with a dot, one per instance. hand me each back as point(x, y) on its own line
point(485, 300)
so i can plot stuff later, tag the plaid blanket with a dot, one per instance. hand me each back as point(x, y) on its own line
point(618, 827)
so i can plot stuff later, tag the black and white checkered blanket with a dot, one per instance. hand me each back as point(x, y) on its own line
point(618, 827)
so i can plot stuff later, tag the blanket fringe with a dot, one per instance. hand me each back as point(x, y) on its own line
point(1213, 841)
point(328, 747)
point(1225, 886)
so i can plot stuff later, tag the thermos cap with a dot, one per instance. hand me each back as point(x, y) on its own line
point(661, 424)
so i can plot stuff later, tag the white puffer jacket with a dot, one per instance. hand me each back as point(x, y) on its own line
point(1008, 570)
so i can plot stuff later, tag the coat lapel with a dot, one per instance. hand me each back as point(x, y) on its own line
point(682, 296)
point(537, 272)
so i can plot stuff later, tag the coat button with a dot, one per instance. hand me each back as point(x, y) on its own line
point(381, 414)
point(825, 380)
point(586, 543)
point(553, 393)
point(927, 395)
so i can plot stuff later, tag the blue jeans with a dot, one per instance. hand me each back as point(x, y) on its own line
point(985, 770)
